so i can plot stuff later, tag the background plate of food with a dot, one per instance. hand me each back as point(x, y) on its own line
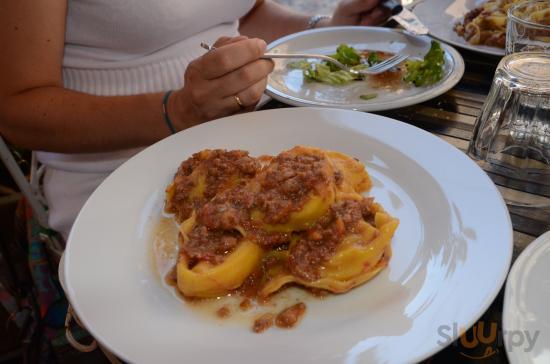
point(398, 292)
point(431, 70)
point(477, 25)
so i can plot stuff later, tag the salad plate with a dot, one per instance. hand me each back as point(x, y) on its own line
point(289, 82)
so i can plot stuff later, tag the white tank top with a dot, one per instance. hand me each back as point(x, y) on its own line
point(127, 47)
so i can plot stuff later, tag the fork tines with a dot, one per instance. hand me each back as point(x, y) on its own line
point(387, 64)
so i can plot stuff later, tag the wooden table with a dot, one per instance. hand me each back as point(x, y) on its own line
point(451, 117)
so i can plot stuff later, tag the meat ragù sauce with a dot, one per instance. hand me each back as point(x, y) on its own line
point(249, 230)
point(318, 244)
point(263, 323)
point(210, 245)
point(218, 169)
point(288, 183)
point(246, 304)
point(243, 307)
point(290, 316)
point(223, 312)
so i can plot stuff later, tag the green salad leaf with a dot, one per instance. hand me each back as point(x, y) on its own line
point(429, 70)
point(373, 59)
point(329, 73)
point(418, 72)
point(367, 97)
point(322, 73)
point(345, 54)
point(299, 65)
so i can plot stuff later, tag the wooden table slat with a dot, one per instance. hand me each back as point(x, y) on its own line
point(537, 189)
point(458, 106)
point(450, 118)
point(476, 98)
point(528, 226)
point(521, 241)
point(519, 196)
point(461, 144)
point(432, 125)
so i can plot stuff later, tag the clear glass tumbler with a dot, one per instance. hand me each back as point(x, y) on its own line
point(528, 28)
point(512, 133)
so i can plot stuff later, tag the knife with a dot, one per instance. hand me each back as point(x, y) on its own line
point(408, 20)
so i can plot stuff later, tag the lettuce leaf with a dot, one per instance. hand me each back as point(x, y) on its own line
point(329, 73)
point(322, 73)
point(373, 59)
point(367, 97)
point(299, 65)
point(345, 54)
point(418, 72)
point(429, 70)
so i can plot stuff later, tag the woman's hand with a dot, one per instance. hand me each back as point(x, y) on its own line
point(358, 12)
point(217, 83)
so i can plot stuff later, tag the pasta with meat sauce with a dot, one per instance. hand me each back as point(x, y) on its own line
point(486, 24)
point(255, 225)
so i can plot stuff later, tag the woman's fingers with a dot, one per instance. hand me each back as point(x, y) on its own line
point(360, 12)
point(220, 42)
point(226, 80)
point(349, 12)
point(246, 76)
point(230, 57)
point(356, 7)
point(377, 16)
point(250, 96)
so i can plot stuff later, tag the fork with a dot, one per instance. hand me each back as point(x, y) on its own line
point(373, 70)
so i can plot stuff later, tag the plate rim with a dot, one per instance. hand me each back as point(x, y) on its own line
point(454, 78)
point(497, 52)
point(516, 273)
point(489, 297)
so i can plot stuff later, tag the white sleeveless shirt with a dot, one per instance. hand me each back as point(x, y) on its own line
point(126, 47)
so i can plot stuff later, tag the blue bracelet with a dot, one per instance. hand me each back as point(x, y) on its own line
point(165, 112)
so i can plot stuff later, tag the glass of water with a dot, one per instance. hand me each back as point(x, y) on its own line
point(512, 133)
point(528, 27)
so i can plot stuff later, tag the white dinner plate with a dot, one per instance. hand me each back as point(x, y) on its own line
point(440, 16)
point(527, 305)
point(451, 251)
point(289, 86)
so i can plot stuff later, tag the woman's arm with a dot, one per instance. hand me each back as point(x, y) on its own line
point(269, 21)
point(36, 112)
point(281, 21)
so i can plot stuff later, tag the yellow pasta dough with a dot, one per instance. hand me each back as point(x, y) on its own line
point(298, 217)
point(205, 280)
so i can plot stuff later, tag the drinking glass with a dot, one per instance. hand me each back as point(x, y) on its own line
point(512, 133)
point(528, 27)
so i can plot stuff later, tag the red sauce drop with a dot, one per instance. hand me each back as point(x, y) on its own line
point(245, 304)
point(263, 323)
point(223, 312)
point(290, 316)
